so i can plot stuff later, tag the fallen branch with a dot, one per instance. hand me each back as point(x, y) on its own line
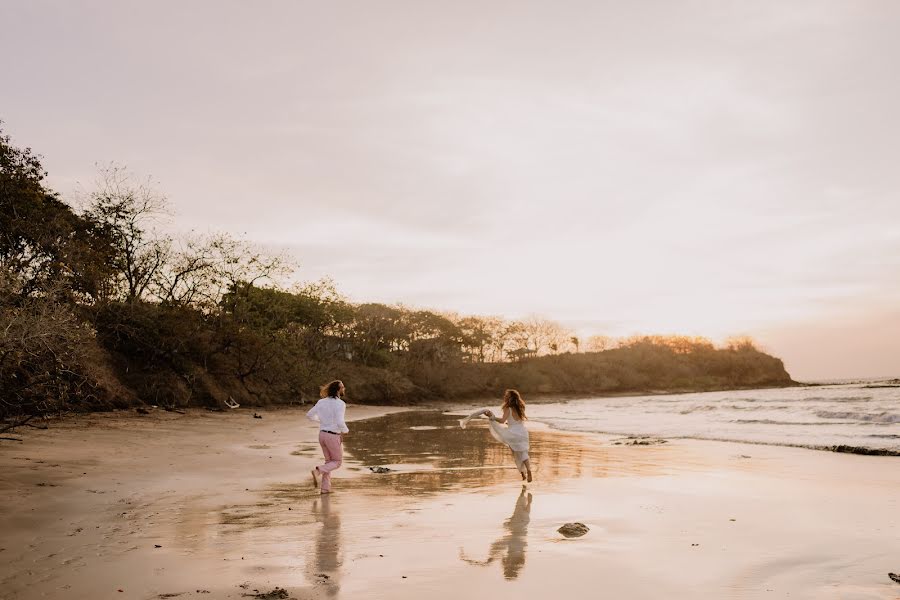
point(17, 424)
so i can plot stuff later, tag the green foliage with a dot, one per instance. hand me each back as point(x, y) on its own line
point(43, 243)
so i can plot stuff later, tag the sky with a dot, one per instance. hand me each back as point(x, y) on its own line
point(708, 168)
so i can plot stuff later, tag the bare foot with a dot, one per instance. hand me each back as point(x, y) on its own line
point(315, 474)
point(529, 476)
point(523, 475)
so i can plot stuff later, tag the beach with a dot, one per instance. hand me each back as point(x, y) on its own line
point(221, 505)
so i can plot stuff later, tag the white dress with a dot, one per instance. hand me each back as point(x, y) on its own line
point(513, 434)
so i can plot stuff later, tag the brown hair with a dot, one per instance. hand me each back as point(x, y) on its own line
point(332, 389)
point(512, 399)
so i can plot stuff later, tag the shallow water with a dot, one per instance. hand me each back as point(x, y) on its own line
point(854, 415)
point(414, 445)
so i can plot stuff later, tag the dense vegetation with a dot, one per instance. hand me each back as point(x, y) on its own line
point(99, 310)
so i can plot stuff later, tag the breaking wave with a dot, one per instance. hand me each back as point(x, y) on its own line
point(841, 418)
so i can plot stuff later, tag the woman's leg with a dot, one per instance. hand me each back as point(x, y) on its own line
point(520, 458)
point(326, 453)
point(331, 444)
point(527, 464)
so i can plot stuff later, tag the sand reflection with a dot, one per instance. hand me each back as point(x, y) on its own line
point(510, 547)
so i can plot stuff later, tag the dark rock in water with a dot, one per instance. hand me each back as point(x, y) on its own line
point(862, 450)
point(380, 469)
point(257, 416)
point(894, 577)
point(640, 441)
point(571, 530)
point(276, 594)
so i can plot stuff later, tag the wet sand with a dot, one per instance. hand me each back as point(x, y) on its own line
point(227, 498)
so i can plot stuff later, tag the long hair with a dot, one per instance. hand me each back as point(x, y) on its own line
point(512, 399)
point(331, 390)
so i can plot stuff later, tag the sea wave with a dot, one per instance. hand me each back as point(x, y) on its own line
point(776, 422)
point(701, 408)
point(840, 448)
point(839, 418)
point(845, 399)
point(882, 417)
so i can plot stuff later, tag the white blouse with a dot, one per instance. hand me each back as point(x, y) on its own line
point(329, 412)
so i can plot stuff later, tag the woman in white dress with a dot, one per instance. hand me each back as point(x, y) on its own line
point(514, 434)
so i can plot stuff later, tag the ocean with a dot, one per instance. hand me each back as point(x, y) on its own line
point(857, 417)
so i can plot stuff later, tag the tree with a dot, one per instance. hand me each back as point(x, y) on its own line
point(539, 335)
point(237, 262)
point(43, 243)
point(186, 278)
point(126, 211)
point(476, 336)
point(377, 331)
point(740, 343)
point(201, 271)
point(599, 343)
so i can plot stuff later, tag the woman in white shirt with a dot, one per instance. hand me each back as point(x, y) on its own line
point(329, 413)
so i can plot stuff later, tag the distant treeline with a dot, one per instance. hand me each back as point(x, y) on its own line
point(99, 310)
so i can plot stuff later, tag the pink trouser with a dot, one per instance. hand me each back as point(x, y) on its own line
point(334, 455)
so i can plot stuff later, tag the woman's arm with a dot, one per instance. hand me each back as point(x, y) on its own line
point(342, 410)
point(504, 417)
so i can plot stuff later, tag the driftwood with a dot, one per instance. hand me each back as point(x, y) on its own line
point(19, 423)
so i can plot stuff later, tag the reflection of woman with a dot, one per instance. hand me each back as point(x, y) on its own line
point(327, 561)
point(510, 548)
point(514, 435)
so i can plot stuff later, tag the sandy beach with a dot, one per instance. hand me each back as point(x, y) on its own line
point(206, 505)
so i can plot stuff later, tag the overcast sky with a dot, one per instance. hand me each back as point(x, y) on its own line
point(711, 168)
